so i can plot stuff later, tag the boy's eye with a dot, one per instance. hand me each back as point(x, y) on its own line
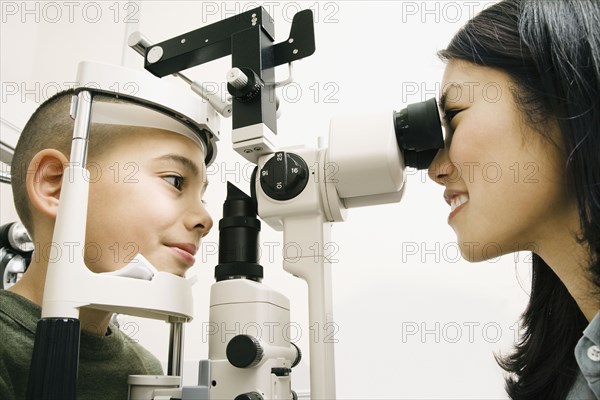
point(175, 180)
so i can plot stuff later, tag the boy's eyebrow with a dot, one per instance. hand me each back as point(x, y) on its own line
point(184, 161)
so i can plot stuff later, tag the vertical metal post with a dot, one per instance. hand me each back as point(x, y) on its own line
point(82, 113)
point(175, 363)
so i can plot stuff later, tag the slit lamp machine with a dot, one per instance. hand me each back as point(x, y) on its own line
point(299, 190)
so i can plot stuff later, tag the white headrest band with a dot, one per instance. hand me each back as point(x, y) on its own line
point(131, 114)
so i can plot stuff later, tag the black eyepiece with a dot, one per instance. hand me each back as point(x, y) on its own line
point(239, 231)
point(419, 133)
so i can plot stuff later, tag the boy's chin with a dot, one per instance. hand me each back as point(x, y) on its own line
point(179, 271)
point(133, 271)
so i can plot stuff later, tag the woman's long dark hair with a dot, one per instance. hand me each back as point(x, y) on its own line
point(551, 51)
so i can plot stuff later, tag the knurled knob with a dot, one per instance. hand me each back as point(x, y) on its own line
point(244, 351)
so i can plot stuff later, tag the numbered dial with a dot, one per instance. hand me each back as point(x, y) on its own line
point(284, 176)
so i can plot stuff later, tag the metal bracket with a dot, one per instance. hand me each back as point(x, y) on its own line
point(214, 41)
point(301, 42)
point(248, 38)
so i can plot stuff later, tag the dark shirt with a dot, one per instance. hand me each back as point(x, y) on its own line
point(105, 362)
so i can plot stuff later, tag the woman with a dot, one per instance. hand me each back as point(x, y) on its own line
point(521, 168)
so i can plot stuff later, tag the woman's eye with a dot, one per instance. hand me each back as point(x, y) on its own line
point(175, 181)
point(449, 115)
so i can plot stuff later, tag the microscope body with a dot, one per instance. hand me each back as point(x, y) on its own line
point(291, 197)
point(299, 191)
point(250, 352)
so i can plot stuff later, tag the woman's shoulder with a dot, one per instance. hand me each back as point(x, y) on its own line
point(587, 354)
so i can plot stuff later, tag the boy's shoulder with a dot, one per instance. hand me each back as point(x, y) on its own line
point(18, 319)
point(105, 362)
point(18, 314)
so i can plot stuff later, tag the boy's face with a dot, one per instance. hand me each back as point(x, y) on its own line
point(146, 197)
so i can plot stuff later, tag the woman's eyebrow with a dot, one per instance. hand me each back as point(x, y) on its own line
point(444, 97)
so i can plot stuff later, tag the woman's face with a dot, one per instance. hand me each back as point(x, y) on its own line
point(505, 183)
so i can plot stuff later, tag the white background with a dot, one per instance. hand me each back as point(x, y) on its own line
point(414, 320)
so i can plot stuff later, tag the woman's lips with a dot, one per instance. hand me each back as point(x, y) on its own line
point(457, 200)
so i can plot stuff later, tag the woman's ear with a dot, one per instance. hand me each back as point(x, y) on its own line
point(44, 180)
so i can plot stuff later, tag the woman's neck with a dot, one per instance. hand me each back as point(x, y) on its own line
point(570, 260)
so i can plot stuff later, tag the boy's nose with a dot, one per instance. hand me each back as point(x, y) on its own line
point(199, 219)
point(207, 223)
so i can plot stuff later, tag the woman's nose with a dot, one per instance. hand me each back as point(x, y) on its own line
point(441, 167)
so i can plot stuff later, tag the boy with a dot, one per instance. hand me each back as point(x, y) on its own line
point(145, 196)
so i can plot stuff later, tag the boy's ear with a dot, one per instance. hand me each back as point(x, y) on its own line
point(44, 180)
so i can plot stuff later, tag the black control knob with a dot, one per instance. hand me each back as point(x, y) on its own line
point(298, 355)
point(243, 84)
point(284, 176)
point(249, 396)
point(244, 351)
point(281, 371)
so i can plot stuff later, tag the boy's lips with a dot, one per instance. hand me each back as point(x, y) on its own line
point(185, 251)
point(189, 247)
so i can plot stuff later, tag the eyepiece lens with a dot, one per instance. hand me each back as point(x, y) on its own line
point(419, 133)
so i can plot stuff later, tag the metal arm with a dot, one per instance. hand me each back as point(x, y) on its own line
point(248, 38)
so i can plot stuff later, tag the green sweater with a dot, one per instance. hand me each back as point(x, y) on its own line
point(105, 362)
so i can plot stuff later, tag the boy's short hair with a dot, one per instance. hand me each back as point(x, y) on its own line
point(50, 127)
